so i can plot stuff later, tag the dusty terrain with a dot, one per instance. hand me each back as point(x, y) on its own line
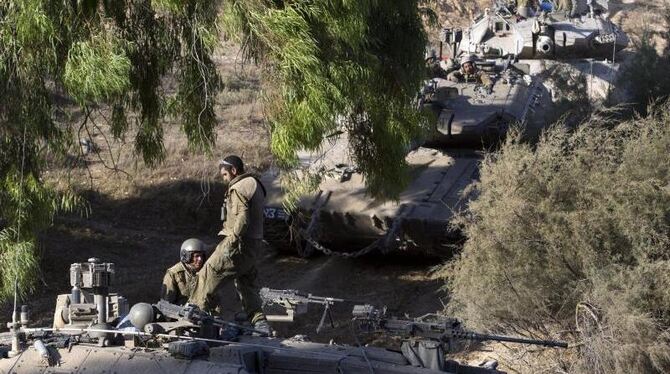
point(140, 216)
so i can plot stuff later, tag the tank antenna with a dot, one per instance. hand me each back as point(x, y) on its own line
point(15, 324)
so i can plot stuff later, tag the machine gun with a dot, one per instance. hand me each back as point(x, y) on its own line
point(296, 302)
point(190, 316)
point(432, 327)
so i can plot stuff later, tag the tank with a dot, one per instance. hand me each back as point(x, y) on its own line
point(341, 218)
point(583, 32)
point(582, 41)
point(517, 53)
point(100, 335)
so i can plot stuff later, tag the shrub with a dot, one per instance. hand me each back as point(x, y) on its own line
point(572, 236)
point(646, 75)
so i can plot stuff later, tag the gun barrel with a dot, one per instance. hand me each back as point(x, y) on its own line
point(324, 299)
point(270, 294)
point(501, 338)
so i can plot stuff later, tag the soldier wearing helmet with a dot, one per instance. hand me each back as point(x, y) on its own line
point(469, 72)
point(527, 8)
point(179, 280)
point(235, 257)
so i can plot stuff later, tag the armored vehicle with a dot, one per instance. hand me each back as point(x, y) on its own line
point(582, 40)
point(466, 118)
point(582, 32)
point(517, 53)
point(95, 333)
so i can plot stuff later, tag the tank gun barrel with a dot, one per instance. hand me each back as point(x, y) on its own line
point(433, 327)
point(469, 335)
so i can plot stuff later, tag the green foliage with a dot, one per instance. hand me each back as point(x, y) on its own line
point(330, 64)
point(297, 186)
point(579, 224)
point(100, 54)
point(572, 104)
point(350, 64)
point(30, 206)
point(18, 262)
point(96, 70)
point(33, 25)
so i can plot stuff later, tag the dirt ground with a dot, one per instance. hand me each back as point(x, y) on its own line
point(140, 216)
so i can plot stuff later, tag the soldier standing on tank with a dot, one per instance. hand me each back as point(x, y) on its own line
point(235, 257)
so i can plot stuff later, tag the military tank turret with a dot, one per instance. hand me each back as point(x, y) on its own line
point(584, 31)
point(581, 39)
point(167, 338)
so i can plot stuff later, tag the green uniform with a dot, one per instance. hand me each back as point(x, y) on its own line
point(564, 5)
point(235, 257)
point(477, 77)
point(178, 284)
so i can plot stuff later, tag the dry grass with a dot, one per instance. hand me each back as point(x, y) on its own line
point(571, 240)
point(241, 130)
point(637, 16)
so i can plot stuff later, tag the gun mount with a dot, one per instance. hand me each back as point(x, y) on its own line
point(296, 303)
point(164, 337)
point(90, 300)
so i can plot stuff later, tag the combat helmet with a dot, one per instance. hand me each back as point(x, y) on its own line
point(467, 58)
point(190, 246)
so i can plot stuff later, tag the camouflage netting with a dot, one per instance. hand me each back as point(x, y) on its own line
point(571, 240)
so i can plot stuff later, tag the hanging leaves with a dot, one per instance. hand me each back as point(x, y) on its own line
point(330, 64)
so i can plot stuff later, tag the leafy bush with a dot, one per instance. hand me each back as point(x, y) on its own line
point(357, 60)
point(572, 236)
point(572, 102)
point(96, 70)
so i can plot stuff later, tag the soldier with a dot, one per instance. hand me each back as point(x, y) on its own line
point(235, 257)
point(469, 73)
point(179, 280)
point(526, 8)
point(565, 6)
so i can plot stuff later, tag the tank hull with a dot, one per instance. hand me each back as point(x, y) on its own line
point(342, 218)
point(250, 355)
